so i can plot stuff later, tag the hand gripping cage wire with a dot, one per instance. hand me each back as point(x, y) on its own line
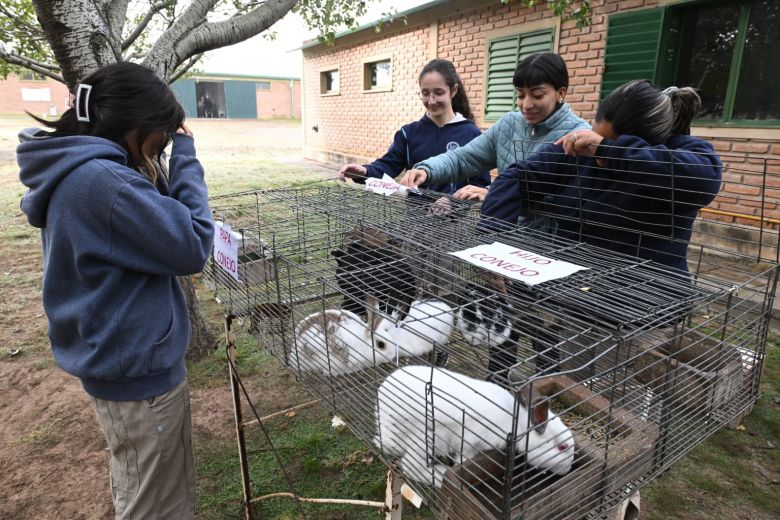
point(491, 398)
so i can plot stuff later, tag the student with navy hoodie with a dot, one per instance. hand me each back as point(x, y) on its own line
point(634, 184)
point(116, 233)
point(447, 125)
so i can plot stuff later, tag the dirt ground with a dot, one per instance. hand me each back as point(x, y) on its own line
point(52, 453)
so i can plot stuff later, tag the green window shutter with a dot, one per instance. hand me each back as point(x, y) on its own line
point(633, 46)
point(503, 56)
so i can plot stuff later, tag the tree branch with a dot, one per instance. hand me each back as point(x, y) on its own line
point(161, 58)
point(33, 65)
point(153, 10)
point(116, 11)
point(234, 30)
point(182, 70)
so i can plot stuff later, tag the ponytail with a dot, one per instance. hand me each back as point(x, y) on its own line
point(686, 105)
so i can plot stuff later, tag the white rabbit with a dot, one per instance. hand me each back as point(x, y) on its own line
point(467, 416)
point(428, 322)
point(336, 342)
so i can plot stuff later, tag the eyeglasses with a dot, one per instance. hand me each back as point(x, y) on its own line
point(436, 94)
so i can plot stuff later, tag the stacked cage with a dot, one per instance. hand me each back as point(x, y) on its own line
point(493, 398)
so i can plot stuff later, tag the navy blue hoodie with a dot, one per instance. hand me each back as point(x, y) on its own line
point(632, 204)
point(422, 139)
point(112, 248)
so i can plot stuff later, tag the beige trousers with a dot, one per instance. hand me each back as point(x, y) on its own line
point(152, 465)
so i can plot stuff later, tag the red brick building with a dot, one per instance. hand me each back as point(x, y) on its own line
point(234, 95)
point(359, 91)
point(33, 93)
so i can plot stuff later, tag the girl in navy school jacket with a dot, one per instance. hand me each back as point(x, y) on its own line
point(447, 125)
point(634, 184)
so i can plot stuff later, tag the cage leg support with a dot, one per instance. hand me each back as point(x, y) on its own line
point(394, 503)
point(238, 416)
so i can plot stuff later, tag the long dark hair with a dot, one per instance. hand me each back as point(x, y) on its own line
point(126, 98)
point(638, 108)
point(541, 67)
point(460, 102)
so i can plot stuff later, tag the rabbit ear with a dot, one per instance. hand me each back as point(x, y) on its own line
point(372, 305)
point(540, 411)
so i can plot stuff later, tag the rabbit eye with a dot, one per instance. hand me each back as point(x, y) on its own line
point(381, 345)
point(563, 446)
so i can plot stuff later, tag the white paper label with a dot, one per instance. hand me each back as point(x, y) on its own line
point(384, 186)
point(226, 248)
point(517, 264)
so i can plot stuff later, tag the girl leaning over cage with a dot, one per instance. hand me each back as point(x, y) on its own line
point(634, 184)
point(541, 81)
point(447, 124)
point(115, 234)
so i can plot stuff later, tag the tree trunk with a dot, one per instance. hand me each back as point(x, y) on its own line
point(79, 35)
point(202, 341)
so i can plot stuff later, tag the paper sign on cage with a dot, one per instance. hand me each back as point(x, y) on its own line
point(226, 248)
point(384, 186)
point(517, 264)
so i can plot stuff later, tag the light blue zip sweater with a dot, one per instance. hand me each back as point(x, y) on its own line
point(508, 141)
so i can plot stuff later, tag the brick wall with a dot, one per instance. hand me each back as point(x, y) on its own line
point(358, 125)
point(362, 125)
point(275, 102)
point(11, 101)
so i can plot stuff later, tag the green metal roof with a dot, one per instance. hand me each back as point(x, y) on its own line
point(313, 43)
point(204, 75)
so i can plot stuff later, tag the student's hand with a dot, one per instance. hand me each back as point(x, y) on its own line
point(352, 171)
point(442, 206)
point(581, 142)
point(414, 178)
point(471, 193)
point(184, 129)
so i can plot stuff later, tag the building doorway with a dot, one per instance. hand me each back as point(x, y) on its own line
point(210, 96)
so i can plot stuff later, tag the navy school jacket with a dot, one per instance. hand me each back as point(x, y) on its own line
point(642, 201)
point(422, 139)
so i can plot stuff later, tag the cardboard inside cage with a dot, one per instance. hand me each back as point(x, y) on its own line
point(475, 489)
point(692, 371)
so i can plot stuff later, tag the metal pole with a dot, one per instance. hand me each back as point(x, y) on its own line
point(235, 392)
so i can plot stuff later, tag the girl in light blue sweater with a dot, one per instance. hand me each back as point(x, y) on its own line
point(541, 81)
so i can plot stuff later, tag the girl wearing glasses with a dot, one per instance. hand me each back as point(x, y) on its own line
point(541, 81)
point(447, 125)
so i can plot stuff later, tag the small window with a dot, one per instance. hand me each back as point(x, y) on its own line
point(263, 85)
point(29, 75)
point(377, 75)
point(329, 82)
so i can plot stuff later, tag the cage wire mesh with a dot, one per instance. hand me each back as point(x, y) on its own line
point(495, 399)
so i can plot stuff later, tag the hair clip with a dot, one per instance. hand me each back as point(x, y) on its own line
point(669, 90)
point(82, 116)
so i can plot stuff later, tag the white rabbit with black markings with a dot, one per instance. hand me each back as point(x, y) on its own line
point(337, 342)
point(485, 320)
point(419, 408)
point(428, 323)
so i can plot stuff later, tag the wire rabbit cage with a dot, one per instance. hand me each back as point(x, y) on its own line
point(494, 396)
